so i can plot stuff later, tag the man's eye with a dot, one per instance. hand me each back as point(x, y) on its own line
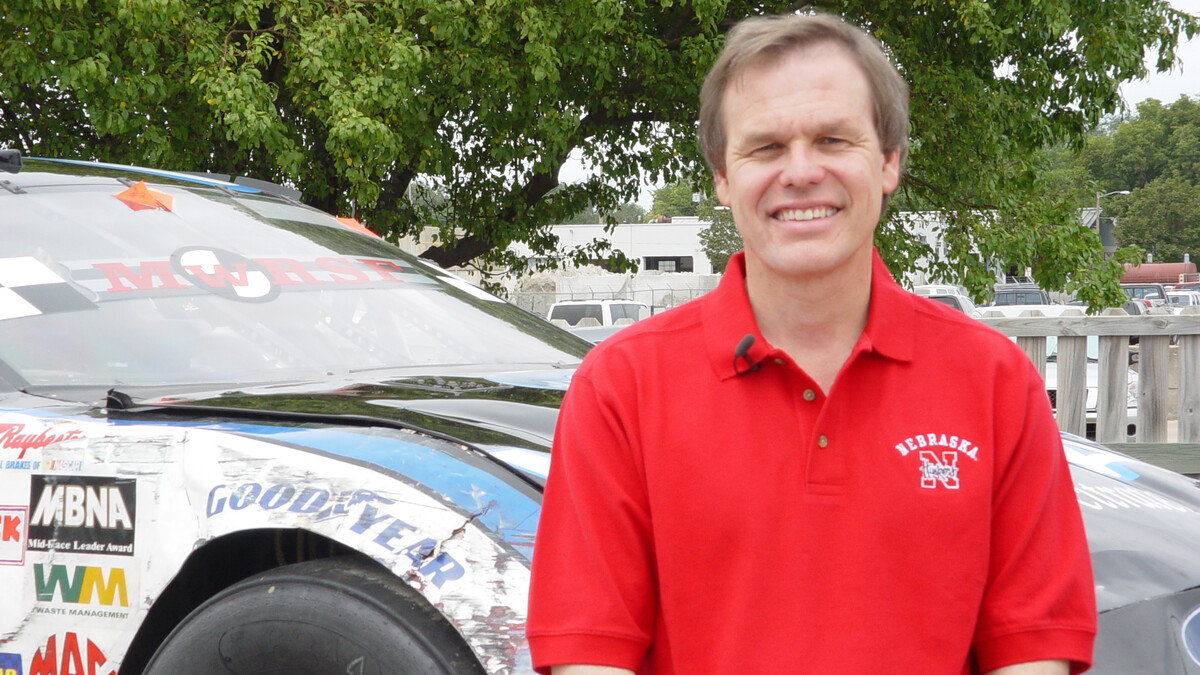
point(832, 140)
point(768, 147)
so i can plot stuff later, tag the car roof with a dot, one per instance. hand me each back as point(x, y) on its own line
point(44, 172)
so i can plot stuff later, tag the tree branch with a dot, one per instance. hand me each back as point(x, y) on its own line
point(962, 203)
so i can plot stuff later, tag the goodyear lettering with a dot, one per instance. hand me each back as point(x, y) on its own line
point(309, 500)
point(383, 529)
point(70, 659)
point(82, 506)
point(81, 585)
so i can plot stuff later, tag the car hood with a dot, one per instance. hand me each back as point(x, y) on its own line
point(508, 414)
point(1141, 522)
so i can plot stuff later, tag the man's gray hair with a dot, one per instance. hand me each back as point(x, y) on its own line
point(764, 40)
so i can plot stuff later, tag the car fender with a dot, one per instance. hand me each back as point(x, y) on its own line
point(462, 552)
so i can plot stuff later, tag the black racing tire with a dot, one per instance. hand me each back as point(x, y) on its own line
point(335, 616)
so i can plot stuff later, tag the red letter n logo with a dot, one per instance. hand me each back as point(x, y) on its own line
point(935, 469)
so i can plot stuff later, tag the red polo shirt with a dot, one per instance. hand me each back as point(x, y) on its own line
point(705, 517)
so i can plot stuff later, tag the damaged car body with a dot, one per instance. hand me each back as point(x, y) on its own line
point(202, 384)
point(238, 434)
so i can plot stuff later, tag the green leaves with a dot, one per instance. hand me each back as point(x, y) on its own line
point(482, 101)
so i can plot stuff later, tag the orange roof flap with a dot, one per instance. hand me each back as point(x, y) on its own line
point(140, 196)
point(353, 224)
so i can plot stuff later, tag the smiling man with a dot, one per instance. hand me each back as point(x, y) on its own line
point(808, 469)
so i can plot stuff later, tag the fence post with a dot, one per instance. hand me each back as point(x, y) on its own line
point(1189, 383)
point(1153, 364)
point(1035, 346)
point(1071, 384)
point(1112, 403)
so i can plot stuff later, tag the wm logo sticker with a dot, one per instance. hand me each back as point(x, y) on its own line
point(82, 585)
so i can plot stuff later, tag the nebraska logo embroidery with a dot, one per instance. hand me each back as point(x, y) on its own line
point(939, 468)
point(938, 458)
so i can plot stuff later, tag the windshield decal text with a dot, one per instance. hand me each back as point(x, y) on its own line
point(235, 277)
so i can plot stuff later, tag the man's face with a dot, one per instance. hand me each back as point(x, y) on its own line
point(804, 171)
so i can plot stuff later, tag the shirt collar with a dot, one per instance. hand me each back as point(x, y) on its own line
point(728, 319)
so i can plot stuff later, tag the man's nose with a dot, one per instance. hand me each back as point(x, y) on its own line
point(801, 166)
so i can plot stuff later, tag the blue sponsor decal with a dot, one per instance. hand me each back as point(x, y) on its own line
point(1101, 461)
point(493, 502)
point(10, 664)
point(374, 522)
point(489, 499)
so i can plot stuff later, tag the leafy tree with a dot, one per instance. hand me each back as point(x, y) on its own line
point(625, 213)
point(485, 99)
point(673, 200)
point(1155, 155)
point(1163, 218)
point(721, 238)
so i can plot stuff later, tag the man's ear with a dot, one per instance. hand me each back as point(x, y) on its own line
point(722, 186)
point(891, 171)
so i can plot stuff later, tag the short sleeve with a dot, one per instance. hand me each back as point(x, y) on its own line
point(1039, 602)
point(592, 591)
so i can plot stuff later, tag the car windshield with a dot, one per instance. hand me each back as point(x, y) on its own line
point(1031, 297)
point(1142, 292)
point(947, 300)
point(625, 310)
point(573, 314)
point(1093, 348)
point(96, 291)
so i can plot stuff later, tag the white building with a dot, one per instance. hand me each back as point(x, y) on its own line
point(657, 247)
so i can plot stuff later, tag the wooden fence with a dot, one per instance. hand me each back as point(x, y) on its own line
point(1178, 450)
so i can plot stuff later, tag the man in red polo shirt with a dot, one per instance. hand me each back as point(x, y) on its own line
point(809, 469)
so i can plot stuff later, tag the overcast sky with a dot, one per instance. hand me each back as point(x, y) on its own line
point(1182, 80)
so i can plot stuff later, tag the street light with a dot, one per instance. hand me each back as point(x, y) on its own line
point(1106, 243)
point(1098, 196)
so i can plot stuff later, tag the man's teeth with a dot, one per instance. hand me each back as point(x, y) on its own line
point(806, 214)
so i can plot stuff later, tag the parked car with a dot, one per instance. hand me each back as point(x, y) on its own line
point(594, 319)
point(1155, 294)
point(958, 301)
point(1093, 385)
point(937, 289)
point(1019, 294)
point(601, 312)
point(237, 435)
point(1178, 300)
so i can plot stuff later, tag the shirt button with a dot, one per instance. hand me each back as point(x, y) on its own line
point(809, 394)
point(822, 441)
point(779, 361)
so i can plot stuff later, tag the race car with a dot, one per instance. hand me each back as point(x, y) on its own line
point(235, 431)
point(238, 434)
